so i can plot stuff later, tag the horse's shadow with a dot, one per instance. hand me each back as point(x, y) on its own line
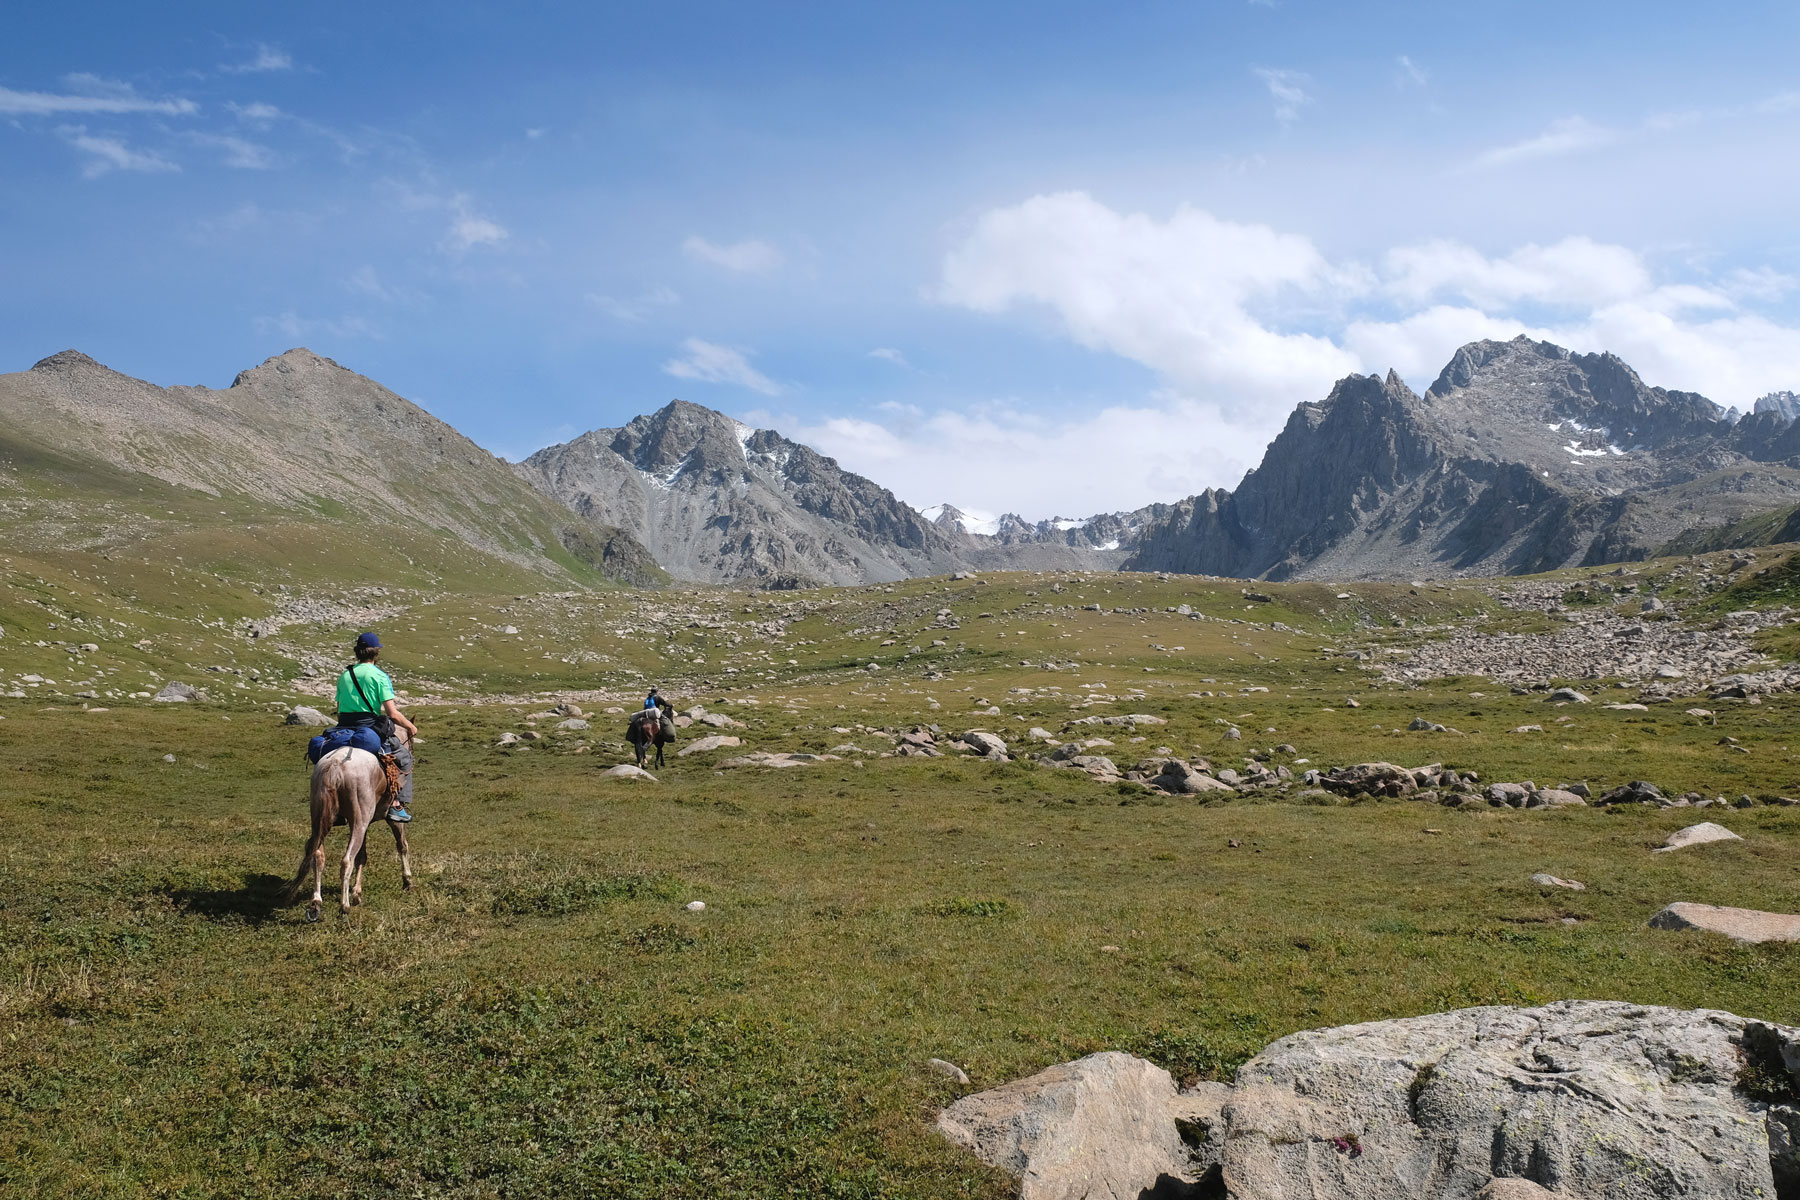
point(257, 901)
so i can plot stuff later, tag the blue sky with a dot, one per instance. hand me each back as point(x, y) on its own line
point(1048, 257)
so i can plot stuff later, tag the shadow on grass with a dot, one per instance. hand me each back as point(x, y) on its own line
point(258, 900)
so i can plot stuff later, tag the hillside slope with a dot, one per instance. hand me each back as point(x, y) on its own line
point(315, 458)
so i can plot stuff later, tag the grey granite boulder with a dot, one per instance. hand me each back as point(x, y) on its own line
point(1581, 1098)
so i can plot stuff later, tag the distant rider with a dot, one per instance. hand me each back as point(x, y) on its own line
point(365, 696)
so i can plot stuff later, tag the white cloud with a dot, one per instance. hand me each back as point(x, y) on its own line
point(1288, 89)
point(712, 363)
point(752, 254)
point(1175, 295)
point(535, 134)
point(267, 58)
point(1412, 72)
point(258, 114)
point(889, 354)
point(636, 309)
point(996, 459)
point(1567, 135)
point(112, 154)
point(1575, 271)
point(469, 229)
point(106, 97)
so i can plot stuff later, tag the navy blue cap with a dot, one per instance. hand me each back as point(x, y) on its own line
point(367, 641)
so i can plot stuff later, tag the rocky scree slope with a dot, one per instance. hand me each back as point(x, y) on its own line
point(301, 436)
point(1521, 457)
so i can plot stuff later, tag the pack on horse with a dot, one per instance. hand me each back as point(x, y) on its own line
point(650, 727)
point(353, 787)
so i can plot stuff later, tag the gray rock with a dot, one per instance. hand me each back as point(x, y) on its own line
point(985, 743)
point(627, 771)
point(1099, 1128)
point(1376, 778)
point(1565, 695)
point(1554, 798)
point(1543, 879)
point(718, 721)
point(177, 692)
point(572, 724)
point(1697, 835)
point(1513, 794)
point(1478, 1104)
point(715, 741)
point(302, 715)
point(1739, 924)
point(948, 1070)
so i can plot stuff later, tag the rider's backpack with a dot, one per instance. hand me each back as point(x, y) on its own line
point(360, 738)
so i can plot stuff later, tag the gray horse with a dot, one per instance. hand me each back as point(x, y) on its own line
point(349, 787)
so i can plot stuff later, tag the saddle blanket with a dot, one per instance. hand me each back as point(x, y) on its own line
point(362, 738)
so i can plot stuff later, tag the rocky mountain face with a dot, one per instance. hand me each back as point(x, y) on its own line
point(719, 502)
point(1521, 457)
point(298, 442)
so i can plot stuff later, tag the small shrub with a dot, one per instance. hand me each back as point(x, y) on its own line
point(576, 894)
point(963, 906)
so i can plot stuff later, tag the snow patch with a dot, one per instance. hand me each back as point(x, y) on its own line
point(1112, 545)
point(1575, 449)
point(744, 434)
point(1063, 526)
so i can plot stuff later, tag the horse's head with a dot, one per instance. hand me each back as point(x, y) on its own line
point(652, 728)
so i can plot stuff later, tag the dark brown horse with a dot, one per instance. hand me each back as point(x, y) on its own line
point(349, 787)
point(651, 727)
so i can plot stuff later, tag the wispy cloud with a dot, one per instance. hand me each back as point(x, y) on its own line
point(752, 254)
point(1411, 72)
point(257, 113)
point(636, 309)
point(112, 154)
point(1288, 89)
point(113, 99)
point(712, 363)
point(1567, 135)
point(366, 281)
point(240, 153)
point(267, 58)
point(889, 354)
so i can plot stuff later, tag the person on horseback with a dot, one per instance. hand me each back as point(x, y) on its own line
point(655, 701)
point(365, 696)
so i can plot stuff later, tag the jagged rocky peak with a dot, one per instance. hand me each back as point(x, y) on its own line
point(1785, 405)
point(665, 438)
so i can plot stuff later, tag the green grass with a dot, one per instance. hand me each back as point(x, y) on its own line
point(542, 1015)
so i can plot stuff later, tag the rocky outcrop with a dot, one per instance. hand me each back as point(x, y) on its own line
point(1738, 924)
point(1578, 1098)
point(1521, 457)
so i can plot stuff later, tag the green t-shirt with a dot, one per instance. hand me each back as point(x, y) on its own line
point(375, 684)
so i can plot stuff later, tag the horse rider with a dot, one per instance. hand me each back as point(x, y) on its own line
point(655, 702)
point(365, 696)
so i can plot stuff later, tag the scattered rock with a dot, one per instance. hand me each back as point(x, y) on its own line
point(572, 724)
point(1698, 835)
point(715, 741)
point(985, 743)
point(1565, 695)
point(948, 1069)
point(1554, 798)
point(1627, 707)
point(168, 758)
point(1375, 778)
point(1101, 1127)
point(718, 721)
point(177, 692)
point(1739, 924)
point(1638, 791)
point(695, 906)
point(1529, 729)
point(1546, 880)
point(627, 771)
point(302, 715)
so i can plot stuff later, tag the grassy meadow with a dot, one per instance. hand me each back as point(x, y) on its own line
point(542, 1015)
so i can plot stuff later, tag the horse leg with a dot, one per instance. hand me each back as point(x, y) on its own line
point(324, 816)
point(405, 855)
point(362, 860)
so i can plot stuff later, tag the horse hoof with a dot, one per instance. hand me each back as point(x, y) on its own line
point(406, 884)
point(312, 914)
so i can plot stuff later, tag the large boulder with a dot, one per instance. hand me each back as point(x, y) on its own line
point(177, 692)
point(300, 714)
point(1099, 1128)
point(984, 743)
point(716, 741)
point(1698, 835)
point(1739, 924)
point(1582, 1098)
